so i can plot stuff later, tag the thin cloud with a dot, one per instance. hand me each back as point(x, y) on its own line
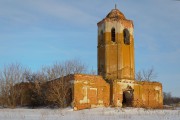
point(62, 11)
point(75, 15)
point(19, 14)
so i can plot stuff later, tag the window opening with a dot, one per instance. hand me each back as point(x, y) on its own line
point(113, 34)
point(126, 37)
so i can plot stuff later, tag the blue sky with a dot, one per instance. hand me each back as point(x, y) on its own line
point(41, 32)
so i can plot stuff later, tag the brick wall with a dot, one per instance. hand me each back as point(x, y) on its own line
point(137, 94)
point(148, 95)
point(89, 91)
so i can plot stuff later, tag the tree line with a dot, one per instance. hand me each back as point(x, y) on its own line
point(19, 86)
point(170, 100)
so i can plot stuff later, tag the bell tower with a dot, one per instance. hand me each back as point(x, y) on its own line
point(116, 47)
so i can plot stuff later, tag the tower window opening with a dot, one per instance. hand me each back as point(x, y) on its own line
point(101, 35)
point(101, 32)
point(113, 34)
point(126, 37)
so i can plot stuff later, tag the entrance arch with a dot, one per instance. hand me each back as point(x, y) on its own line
point(127, 97)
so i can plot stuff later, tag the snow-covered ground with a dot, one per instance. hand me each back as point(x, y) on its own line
point(89, 114)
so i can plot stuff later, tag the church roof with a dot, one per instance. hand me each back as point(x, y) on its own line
point(115, 14)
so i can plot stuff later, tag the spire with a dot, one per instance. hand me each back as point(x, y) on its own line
point(115, 6)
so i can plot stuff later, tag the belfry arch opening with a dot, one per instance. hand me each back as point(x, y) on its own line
point(113, 34)
point(126, 35)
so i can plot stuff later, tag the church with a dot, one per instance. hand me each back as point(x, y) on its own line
point(115, 84)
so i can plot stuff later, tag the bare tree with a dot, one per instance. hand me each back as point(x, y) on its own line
point(9, 76)
point(19, 86)
point(139, 76)
point(59, 91)
point(74, 67)
point(36, 90)
point(60, 69)
point(146, 75)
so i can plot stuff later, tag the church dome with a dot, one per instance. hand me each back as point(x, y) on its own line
point(115, 14)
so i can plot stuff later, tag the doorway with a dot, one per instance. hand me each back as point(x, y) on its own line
point(127, 98)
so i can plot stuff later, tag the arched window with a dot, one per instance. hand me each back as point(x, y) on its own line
point(113, 34)
point(126, 36)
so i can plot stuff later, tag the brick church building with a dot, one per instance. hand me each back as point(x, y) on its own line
point(115, 84)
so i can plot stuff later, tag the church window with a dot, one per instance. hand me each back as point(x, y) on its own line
point(113, 34)
point(126, 37)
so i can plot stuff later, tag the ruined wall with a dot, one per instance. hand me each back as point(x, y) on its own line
point(89, 91)
point(137, 94)
point(148, 95)
point(118, 87)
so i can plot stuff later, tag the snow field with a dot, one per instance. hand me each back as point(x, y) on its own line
point(89, 114)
